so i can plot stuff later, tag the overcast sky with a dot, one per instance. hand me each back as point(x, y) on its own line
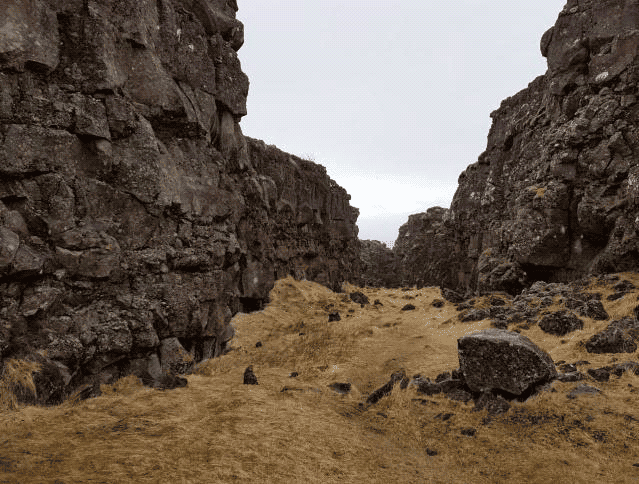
point(392, 97)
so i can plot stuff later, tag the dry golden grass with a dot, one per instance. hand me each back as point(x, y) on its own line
point(218, 430)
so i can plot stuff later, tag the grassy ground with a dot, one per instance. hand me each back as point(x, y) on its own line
point(218, 430)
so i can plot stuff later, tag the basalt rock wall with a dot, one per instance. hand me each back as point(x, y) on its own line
point(135, 217)
point(378, 265)
point(555, 195)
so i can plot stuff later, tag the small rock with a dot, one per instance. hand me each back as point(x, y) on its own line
point(334, 316)
point(619, 337)
point(452, 296)
point(571, 376)
point(249, 376)
point(600, 374)
point(437, 303)
point(359, 298)
point(387, 388)
point(342, 388)
point(583, 389)
point(258, 344)
point(408, 307)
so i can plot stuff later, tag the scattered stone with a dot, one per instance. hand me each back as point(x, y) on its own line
point(568, 367)
point(293, 374)
point(600, 374)
point(249, 376)
point(387, 388)
point(583, 389)
point(444, 416)
point(560, 323)
point(593, 309)
point(619, 337)
point(494, 403)
point(452, 296)
point(433, 453)
point(632, 366)
point(571, 376)
point(474, 315)
point(334, 316)
point(438, 303)
point(426, 386)
point(469, 432)
point(359, 298)
point(342, 388)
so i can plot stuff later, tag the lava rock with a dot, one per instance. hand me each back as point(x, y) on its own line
point(495, 359)
point(583, 389)
point(619, 337)
point(359, 298)
point(386, 389)
point(560, 323)
point(249, 376)
point(334, 316)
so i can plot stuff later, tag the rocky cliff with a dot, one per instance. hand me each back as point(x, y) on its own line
point(135, 217)
point(378, 265)
point(555, 195)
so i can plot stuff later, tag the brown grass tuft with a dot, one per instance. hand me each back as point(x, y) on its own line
point(15, 374)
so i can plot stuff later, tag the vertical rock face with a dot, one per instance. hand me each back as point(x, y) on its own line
point(554, 196)
point(135, 217)
point(379, 267)
point(422, 249)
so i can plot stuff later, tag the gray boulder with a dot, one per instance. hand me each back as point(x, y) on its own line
point(496, 359)
point(619, 337)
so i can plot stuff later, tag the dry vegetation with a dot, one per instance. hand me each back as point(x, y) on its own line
point(218, 430)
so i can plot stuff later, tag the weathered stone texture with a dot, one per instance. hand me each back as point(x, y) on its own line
point(496, 359)
point(135, 217)
point(378, 264)
point(554, 196)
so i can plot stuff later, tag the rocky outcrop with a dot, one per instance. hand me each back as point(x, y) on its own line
point(554, 196)
point(135, 217)
point(378, 265)
point(422, 249)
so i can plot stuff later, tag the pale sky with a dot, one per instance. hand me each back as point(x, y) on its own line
point(393, 97)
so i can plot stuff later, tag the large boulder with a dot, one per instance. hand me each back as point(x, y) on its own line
point(496, 359)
